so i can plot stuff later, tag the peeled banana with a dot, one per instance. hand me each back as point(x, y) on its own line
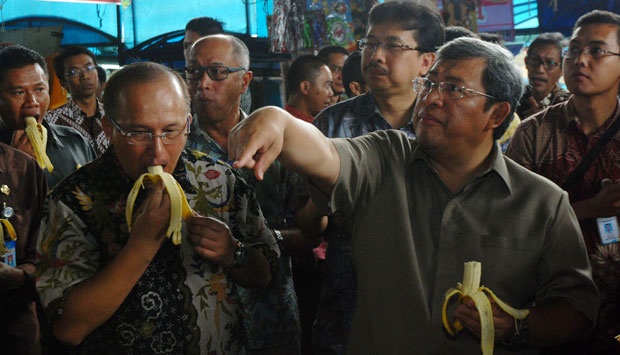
point(37, 136)
point(10, 230)
point(179, 207)
point(479, 294)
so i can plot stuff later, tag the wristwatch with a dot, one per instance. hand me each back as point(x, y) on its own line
point(521, 332)
point(279, 239)
point(241, 256)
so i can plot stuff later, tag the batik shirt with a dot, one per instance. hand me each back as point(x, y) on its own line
point(552, 143)
point(182, 304)
point(347, 119)
point(275, 320)
point(71, 115)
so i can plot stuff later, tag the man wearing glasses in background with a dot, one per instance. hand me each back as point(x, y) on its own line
point(422, 207)
point(108, 289)
point(217, 74)
point(399, 46)
point(576, 144)
point(544, 69)
point(76, 68)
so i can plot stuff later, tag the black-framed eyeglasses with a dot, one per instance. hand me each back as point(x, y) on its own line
point(368, 46)
point(534, 62)
point(75, 72)
point(593, 52)
point(215, 72)
point(424, 86)
point(144, 137)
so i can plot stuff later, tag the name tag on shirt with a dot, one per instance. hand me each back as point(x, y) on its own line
point(608, 229)
point(10, 257)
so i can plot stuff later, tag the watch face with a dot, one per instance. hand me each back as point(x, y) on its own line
point(7, 212)
point(241, 256)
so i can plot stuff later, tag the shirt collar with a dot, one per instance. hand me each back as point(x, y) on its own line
point(496, 164)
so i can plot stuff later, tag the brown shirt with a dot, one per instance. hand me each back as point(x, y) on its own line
point(26, 185)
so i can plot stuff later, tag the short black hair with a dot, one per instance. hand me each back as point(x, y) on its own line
point(556, 39)
point(352, 71)
point(306, 67)
point(421, 18)
point(599, 16)
point(327, 50)
point(16, 56)
point(205, 26)
point(67, 52)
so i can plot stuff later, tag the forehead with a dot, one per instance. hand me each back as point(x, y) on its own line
point(78, 60)
point(595, 33)
point(145, 102)
point(389, 32)
point(337, 58)
point(28, 75)
point(459, 71)
point(546, 51)
point(212, 51)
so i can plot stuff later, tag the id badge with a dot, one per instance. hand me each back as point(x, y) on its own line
point(608, 229)
point(10, 257)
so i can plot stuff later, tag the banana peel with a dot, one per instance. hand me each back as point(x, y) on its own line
point(179, 207)
point(37, 136)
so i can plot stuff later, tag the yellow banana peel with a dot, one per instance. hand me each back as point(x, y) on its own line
point(37, 136)
point(179, 207)
point(480, 296)
point(9, 228)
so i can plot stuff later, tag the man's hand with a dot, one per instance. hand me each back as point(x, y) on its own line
point(467, 314)
point(149, 227)
point(606, 203)
point(21, 142)
point(211, 239)
point(257, 141)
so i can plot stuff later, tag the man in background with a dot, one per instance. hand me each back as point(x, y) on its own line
point(217, 74)
point(76, 68)
point(544, 70)
point(203, 26)
point(309, 87)
point(335, 56)
point(352, 78)
point(24, 92)
point(557, 143)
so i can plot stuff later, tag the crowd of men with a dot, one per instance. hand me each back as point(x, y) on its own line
point(333, 225)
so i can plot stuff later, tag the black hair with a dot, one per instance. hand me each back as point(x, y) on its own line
point(205, 26)
point(67, 52)
point(352, 71)
point(420, 17)
point(16, 56)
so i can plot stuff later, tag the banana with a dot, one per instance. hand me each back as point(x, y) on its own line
point(479, 294)
point(37, 136)
point(10, 230)
point(179, 207)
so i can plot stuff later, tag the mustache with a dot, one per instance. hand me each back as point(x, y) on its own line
point(377, 67)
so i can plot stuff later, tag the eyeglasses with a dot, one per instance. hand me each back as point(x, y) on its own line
point(215, 72)
point(393, 48)
point(75, 72)
point(424, 86)
point(593, 52)
point(549, 64)
point(144, 138)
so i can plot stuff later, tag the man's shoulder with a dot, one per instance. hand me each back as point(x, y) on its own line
point(529, 182)
point(343, 107)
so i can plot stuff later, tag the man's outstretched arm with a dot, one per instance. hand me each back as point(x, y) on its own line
point(271, 133)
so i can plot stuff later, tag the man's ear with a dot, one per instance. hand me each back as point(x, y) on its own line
point(356, 88)
point(247, 78)
point(304, 87)
point(499, 112)
point(427, 62)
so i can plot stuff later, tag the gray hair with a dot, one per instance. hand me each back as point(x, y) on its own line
point(501, 78)
point(240, 51)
